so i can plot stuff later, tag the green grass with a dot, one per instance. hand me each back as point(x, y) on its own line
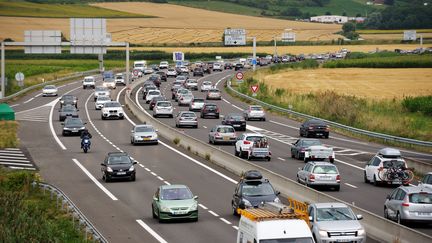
point(415, 61)
point(8, 134)
point(384, 32)
point(28, 215)
point(338, 7)
point(27, 9)
point(221, 7)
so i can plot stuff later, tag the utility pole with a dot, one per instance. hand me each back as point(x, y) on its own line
point(2, 94)
point(127, 64)
point(254, 54)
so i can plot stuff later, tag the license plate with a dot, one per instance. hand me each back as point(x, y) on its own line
point(423, 214)
point(146, 138)
point(236, 125)
point(326, 178)
point(121, 173)
point(226, 138)
point(179, 212)
point(319, 134)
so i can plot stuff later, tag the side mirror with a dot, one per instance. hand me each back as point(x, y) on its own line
point(388, 197)
point(277, 193)
point(359, 216)
point(85, 123)
point(77, 109)
point(195, 197)
point(155, 199)
point(299, 168)
point(156, 130)
point(293, 144)
point(132, 131)
point(103, 164)
point(311, 218)
point(122, 105)
point(135, 163)
point(62, 123)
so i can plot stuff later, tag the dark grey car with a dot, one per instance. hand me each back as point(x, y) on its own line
point(299, 147)
point(118, 166)
point(69, 100)
point(73, 126)
point(67, 111)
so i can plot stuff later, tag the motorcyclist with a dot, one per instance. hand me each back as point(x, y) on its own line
point(85, 134)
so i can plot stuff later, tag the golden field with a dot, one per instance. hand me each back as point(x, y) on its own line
point(360, 82)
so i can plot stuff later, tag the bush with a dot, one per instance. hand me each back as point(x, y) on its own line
point(8, 134)
point(421, 104)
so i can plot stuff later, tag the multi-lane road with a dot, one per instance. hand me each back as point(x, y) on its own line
point(121, 210)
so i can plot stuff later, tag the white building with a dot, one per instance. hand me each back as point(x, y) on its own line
point(330, 19)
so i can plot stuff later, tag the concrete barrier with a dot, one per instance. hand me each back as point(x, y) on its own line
point(376, 227)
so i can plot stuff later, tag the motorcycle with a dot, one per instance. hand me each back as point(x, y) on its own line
point(86, 144)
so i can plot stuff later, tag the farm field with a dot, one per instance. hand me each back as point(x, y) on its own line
point(360, 82)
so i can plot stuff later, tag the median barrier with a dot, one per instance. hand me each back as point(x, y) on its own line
point(376, 227)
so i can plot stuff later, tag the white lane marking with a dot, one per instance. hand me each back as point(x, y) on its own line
point(202, 206)
point(94, 180)
point(225, 221)
point(141, 165)
point(160, 178)
point(204, 127)
point(14, 105)
point(51, 126)
point(13, 149)
point(238, 108)
point(153, 173)
point(27, 101)
point(13, 153)
point(213, 213)
point(281, 124)
point(7, 163)
point(167, 183)
point(217, 83)
point(279, 158)
point(38, 95)
point(235, 227)
point(252, 128)
point(354, 166)
point(226, 101)
point(151, 231)
point(147, 169)
point(350, 185)
point(21, 168)
point(19, 157)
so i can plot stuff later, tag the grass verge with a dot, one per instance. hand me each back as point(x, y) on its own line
point(8, 134)
point(422, 61)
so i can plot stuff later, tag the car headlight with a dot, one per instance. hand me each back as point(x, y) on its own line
point(155, 136)
point(66, 128)
point(361, 232)
point(277, 200)
point(194, 207)
point(323, 233)
point(247, 203)
point(165, 209)
point(109, 169)
point(137, 137)
point(132, 168)
point(82, 128)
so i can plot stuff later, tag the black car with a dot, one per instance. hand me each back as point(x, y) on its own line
point(69, 100)
point(162, 75)
point(67, 111)
point(118, 166)
point(238, 66)
point(252, 190)
point(154, 100)
point(228, 65)
point(299, 147)
point(155, 78)
point(73, 126)
point(198, 72)
point(210, 109)
point(314, 128)
point(206, 69)
point(155, 67)
point(235, 120)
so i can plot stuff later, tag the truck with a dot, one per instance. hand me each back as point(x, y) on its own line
point(140, 65)
point(275, 222)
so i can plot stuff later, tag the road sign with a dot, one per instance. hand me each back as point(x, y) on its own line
point(239, 76)
point(288, 37)
point(254, 88)
point(178, 56)
point(179, 63)
point(235, 37)
point(88, 36)
point(410, 35)
point(19, 76)
point(53, 37)
point(254, 62)
point(135, 72)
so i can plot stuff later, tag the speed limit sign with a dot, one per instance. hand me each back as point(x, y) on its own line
point(135, 72)
point(239, 76)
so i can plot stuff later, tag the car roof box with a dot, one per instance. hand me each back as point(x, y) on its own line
point(252, 175)
point(389, 153)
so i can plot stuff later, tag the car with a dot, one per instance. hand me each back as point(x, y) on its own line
point(217, 66)
point(154, 67)
point(154, 100)
point(144, 133)
point(213, 94)
point(426, 181)
point(238, 66)
point(174, 202)
point(185, 74)
point(112, 109)
point(107, 74)
point(69, 100)
point(148, 70)
point(196, 104)
point(191, 84)
point(253, 190)
point(176, 84)
point(171, 72)
point(155, 79)
point(101, 91)
point(222, 134)
point(100, 101)
point(163, 76)
point(186, 118)
point(184, 69)
point(89, 82)
point(235, 120)
point(314, 128)
point(252, 145)
point(255, 112)
point(181, 78)
point(335, 222)
point(210, 109)
point(163, 65)
point(109, 83)
point(319, 174)
point(73, 126)
point(181, 91)
point(118, 165)
point(206, 68)
point(163, 108)
point(409, 204)
point(228, 65)
point(185, 99)
point(383, 160)
point(120, 79)
point(198, 71)
point(299, 147)
point(147, 89)
point(67, 111)
point(206, 86)
point(151, 94)
point(49, 90)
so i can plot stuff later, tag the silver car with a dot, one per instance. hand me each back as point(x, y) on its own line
point(186, 118)
point(206, 86)
point(196, 104)
point(254, 112)
point(163, 108)
point(319, 174)
point(100, 101)
point(191, 84)
point(213, 94)
point(335, 222)
point(181, 92)
point(185, 99)
point(49, 90)
point(101, 91)
point(222, 134)
point(409, 204)
point(144, 134)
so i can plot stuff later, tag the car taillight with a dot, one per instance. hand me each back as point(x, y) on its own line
point(405, 202)
point(302, 150)
point(338, 178)
point(217, 110)
point(311, 177)
point(327, 128)
point(246, 142)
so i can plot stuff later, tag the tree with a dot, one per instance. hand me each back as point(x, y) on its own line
point(328, 13)
point(344, 14)
point(389, 2)
point(348, 27)
point(291, 12)
point(373, 21)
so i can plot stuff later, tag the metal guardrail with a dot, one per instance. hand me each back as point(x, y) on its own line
point(384, 137)
point(74, 75)
point(65, 203)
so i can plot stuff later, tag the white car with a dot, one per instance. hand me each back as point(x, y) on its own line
point(217, 66)
point(100, 101)
point(206, 86)
point(254, 112)
point(163, 65)
point(49, 90)
point(245, 142)
point(379, 164)
point(109, 83)
point(184, 69)
point(151, 94)
point(163, 108)
point(171, 72)
point(89, 81)
point(120, 79)
point(148, 71)
point(101, 91)
point(191, 84)
point(112, 109)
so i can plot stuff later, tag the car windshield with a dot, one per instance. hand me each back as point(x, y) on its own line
point(68, 108)
point(256, 108)
point(308, 143)
point(164, 104)
point(225, 130)
point(421, 198)
point(207, 83)
point(101, 89)
point(122, 159)
point(88, 80)
point(112, 104)
point(214, 91)
point(198, 100)
point(211, 107)
point(257, 189)
point(176, 194)
point(187, 96)
point(290, 240)
point(144, 129)
point(103, 98)
point(109, 80)
point(235, 117)
point(73, 122)
point(50, 87)
point(325, 169)
point(332, 214)
point(154, 93)
point(188, 114)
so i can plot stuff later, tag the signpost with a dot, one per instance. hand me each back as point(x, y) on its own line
point(254, 89)
point(235, 37)
point(288, 37)
point(178, 56)
point(239, 76)
point(20, 79)
point(410, 35)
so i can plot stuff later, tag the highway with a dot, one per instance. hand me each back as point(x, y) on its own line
point(121, 210)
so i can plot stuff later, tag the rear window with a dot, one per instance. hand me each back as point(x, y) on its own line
point(256, 108)
point(325, 169)
point(188, 114)
point(421, 198)
point(164, 104)
point(226, 130)
point(393, 163)
point(253, 138)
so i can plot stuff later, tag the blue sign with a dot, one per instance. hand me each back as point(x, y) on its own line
point(179, 64)
point(254, 62)
point(178, 56)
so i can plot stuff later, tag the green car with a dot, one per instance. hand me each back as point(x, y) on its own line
point(174, 202)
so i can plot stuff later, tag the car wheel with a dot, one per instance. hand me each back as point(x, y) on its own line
point(300, 134)
point(292, 154)
point(234, 210)
point(133, 178)
point(375, 182)
point(331, 160)
point(132, 142)
point(177, 125)
point(365, 178)
point(268, 158)
point(337, 188)
point(103, 118)
point(386, 213)
point(235, 152)
point(326, 136)
point(263, 119)
point(398, 218)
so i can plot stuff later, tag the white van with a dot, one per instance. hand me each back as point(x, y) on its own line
point(140, 65)
point(273, 222)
